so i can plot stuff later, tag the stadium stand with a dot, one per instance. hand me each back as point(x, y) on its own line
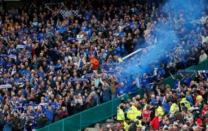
point(109, 113)
point(165, 108)
point(56, 60)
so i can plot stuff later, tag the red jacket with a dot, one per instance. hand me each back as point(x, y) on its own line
point(94, 62)
point(155, 123)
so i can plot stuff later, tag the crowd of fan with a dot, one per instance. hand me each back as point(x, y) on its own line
point(157, 61)
point(181, 107)
point(51, 65)
point(184, 107)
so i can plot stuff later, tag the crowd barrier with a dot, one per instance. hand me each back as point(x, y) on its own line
point(200, 66)
point(86, 118)
point(103, 111)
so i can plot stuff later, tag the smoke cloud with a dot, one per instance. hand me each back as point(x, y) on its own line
point(177, 19)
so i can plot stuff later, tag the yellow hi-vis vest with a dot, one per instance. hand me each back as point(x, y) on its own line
point(133, 113)
point(174, 108)
point(126, 126)
point(159, 111)
point(136, 112)
point(186, 103)
point(120, 115)
point(139, 124)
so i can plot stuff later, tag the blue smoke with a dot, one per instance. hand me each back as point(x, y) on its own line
point(167, 37)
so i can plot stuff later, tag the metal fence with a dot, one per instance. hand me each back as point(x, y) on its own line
point(86, 118)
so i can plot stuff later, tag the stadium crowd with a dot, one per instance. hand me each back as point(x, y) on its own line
point(51, 64)
point(184, 107)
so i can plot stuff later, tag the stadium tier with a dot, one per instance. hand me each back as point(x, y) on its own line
point(66, 65)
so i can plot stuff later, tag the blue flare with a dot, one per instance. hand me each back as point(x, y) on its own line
point(168, 36)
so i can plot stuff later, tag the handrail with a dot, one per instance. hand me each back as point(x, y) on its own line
point(61, 124)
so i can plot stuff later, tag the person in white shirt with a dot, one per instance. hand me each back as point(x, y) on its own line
point(202, 57)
